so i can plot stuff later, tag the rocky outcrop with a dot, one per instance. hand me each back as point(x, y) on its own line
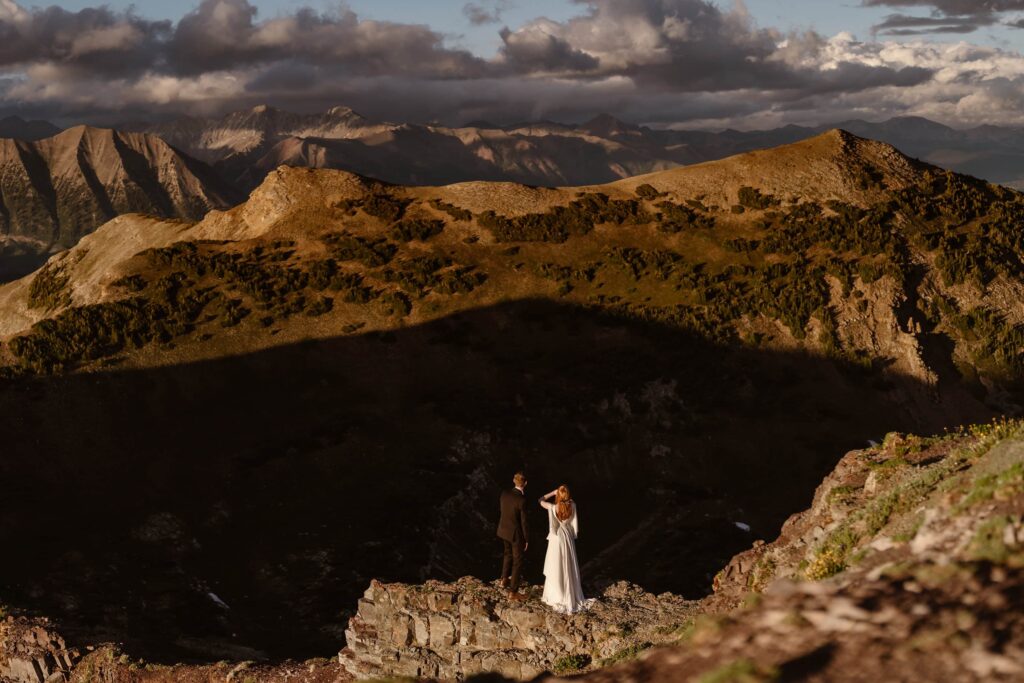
point(32, 652)
point(933, 623)
point(454, 630)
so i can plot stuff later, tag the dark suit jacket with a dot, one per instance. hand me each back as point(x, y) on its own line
point(512, 525)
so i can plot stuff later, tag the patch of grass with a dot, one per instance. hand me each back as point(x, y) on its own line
point(626, 654)
point(1000, 486)
point(740, 671)
point(831, 557)
point(988, 544)
point(842, 494)
point(570, 664)
point(909, 529)
point(762, 574)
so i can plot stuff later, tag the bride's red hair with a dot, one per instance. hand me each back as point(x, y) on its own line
point(563, 503)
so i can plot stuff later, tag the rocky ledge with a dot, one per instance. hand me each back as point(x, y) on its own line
point(30, 652)
point(455, 630)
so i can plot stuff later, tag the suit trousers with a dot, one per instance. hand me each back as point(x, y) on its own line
point(513, 561)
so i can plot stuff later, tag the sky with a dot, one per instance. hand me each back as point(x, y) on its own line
point(681, 63)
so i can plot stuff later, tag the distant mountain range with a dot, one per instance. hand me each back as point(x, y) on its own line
point(58, 186)
point(245, 146)
point(20, 129)
point(56, 190)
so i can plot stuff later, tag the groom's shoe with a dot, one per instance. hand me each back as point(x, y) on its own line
point(516, 596)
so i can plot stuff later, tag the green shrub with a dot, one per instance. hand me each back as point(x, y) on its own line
point(741, 671)
point(626, 654)
point(647, 191)
point(49, 288)
point(676, 218)
point(395, 304)
point(370, 252)
point(386, 207)
point(422, 275)
point(131, 283)
point(751, 198)
point(559, 223)
point(319, 306)
point(455, 212)
point(415, 229)
point(570, 664)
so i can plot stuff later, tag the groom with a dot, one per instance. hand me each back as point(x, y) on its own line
point(512, 531)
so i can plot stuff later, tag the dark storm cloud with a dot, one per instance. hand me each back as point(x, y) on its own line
point(93, 39)
point(904, 25)
point(953, 7)
point(224, 34)
point(534, 49)
point(945, 16)
point(690, 46)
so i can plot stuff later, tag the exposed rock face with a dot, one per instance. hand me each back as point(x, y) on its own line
point(244, 146)
point(31, 652)
point(456, 630)
point(54, 191)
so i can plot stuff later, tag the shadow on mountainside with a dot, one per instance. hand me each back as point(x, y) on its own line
point(239, 507)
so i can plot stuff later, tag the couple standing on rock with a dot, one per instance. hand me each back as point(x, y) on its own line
point(562, 589)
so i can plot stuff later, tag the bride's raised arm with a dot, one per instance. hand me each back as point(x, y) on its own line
point(544, 500)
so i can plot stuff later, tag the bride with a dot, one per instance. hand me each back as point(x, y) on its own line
point(562, 589)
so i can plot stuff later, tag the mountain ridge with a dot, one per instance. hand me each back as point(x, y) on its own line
point(58, 189)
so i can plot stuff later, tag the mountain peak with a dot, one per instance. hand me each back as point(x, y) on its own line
point(342, 111)
point(835, 164)
point(605, 125)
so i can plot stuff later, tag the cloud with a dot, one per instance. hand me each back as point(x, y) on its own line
point(538, 47)
point(945, 16)
point(92, 39)
point(656, 61)
point(224, 34)
point(479, 14)
point(953, 7)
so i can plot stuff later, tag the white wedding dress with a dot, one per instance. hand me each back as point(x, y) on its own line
point(562, 588)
